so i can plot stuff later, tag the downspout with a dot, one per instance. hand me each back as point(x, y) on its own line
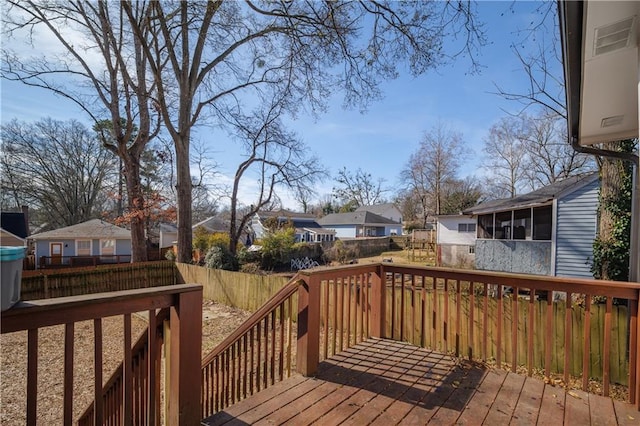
point(634, 249)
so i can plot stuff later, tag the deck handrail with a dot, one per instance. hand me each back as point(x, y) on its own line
point(254, 356)
point(184, 301)
point(114, 384)
point(448, 309)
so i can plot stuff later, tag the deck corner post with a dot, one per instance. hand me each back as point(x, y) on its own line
point(378, 303)
point(308, 345)
point(185, 348)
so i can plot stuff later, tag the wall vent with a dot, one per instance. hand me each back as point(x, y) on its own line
point(614, 36)
point(612, 121)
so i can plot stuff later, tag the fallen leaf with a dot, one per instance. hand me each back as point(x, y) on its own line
point(573, 394)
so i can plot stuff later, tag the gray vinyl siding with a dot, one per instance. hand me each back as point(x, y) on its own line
point(575, 232)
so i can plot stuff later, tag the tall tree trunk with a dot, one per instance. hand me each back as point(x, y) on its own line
point(136, 209)
point(184, 196)
point(611, 172)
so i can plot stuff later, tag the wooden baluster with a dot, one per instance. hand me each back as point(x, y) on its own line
point(152, 336)
point(282, 348)
point(586, 360)
point(377, 301)
point(633, 350)
point(514, 329)
point(458, 314)
point(393, 304)
point(548, 335)
point(471, 316)
point(413, 309)
point(530, 331)
point(68, 373)
point(335, 316)
point(499, 329)
point(402, 306)
point(567, 336)
point(127, 369)
point(273, 347)
point(32, 376)
point(290, 334)
point(485, 323)
point(97, 353)
point(259, 354)
point(606, 359)
point(446, 318)
point(349, 287)
point(326, 319)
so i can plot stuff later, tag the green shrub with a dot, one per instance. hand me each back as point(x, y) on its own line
point(277, 247)
point(220, 258)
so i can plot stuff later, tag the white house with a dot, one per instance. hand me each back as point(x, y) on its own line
point(360, 224)
point(456, 239)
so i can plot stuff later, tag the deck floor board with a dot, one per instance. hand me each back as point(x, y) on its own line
point(384, 382)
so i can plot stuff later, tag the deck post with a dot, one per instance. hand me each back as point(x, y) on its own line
point(378, 303)
point(308, 350)
point(185, 362)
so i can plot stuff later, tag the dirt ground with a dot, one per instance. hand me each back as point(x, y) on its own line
point(218, 322)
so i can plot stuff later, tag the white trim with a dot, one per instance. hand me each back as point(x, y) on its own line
point(114, 246)
point(90, 246)
point(554, 219)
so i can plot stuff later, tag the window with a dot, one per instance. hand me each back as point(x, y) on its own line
point(542, 218)
point(472, 249)
point(108, 247)
point(485, 226)
point(83, 248)
point(466, 227)
point(522, 224)
point(503, 226)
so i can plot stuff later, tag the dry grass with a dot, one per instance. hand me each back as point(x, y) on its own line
point(218, 321)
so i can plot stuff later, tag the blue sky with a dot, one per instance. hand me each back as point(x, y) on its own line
point(381, 140)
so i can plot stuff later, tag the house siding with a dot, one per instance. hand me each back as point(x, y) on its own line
point(346, 231)
point(575, 231)
point(448, 231)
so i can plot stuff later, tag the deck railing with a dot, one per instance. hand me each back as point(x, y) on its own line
point(184, 303)
point(257, 355)
point(515, 320)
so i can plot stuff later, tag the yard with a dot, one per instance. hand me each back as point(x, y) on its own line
point(218, 321)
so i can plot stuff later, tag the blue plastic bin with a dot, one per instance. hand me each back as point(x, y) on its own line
point(11, 274)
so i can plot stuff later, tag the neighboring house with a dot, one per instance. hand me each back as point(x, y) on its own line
point(168, 235)
point(456, 239)
point(14, 228)
point(546, 232)
point(388, 210)
point(90, 242)
point(360, 224)
point(307, 228)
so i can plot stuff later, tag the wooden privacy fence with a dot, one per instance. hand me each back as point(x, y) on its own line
point(73, 282)
point(237, 289)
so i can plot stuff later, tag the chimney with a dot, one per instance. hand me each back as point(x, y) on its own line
point(25, 212)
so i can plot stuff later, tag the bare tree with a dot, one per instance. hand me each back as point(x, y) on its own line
point(505, 156)
point(221, 55)
point(100, 66)
point(59, 168)
point(275, 158)
point(431, 166)
point(549, 157)
point(214, 56)
point(358, 188)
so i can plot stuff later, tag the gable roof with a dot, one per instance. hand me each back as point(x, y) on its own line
point(380, 209)
point(356, 218)
point(536, 198)
point(93, 229)
point(14, 223)
point(286, 214)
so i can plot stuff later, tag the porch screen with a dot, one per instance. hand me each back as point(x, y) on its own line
point(542, 223)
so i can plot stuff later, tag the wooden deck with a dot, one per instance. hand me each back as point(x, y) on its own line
point(384, 382)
